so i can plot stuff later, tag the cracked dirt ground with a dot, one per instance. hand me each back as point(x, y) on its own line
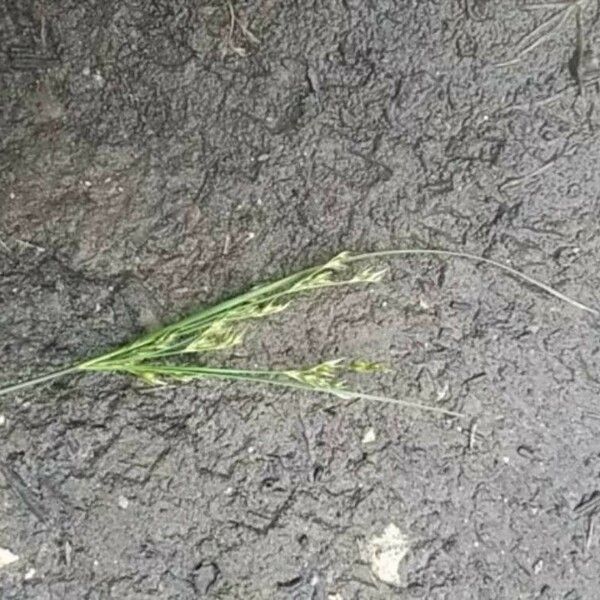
point(156, 157)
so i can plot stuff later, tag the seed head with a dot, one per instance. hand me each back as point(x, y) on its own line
point(217, 337)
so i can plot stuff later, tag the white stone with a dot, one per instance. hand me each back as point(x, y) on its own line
point(386, 553)
point(369, 436)
point(7, 557)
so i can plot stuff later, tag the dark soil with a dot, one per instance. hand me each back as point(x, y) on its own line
point(153, 160)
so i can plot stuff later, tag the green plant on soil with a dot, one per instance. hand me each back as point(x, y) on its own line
point(178, 352)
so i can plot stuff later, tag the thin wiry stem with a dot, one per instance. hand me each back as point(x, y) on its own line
point(38, 380)
point(530, 41)
point(474, 257)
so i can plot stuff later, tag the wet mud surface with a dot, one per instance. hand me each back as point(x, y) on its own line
point(156, 156)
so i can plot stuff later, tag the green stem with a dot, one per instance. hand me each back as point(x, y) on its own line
point(183, 342)
point(43, 379)
point(206, 315)
point(273, 378)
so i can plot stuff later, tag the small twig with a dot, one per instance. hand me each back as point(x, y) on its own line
point(591, 414)
point(249, 34)
point(43, 31)
point(530, 104)
point(535, 43)
point(589, 532)
point(588, 506)
point(560, 18)
point(578, 50)
point(233, 21)
point(472, 434)
point(226, 245)
point(546, 5)
point(30, 245)
point(22, 491)
point(514, 181)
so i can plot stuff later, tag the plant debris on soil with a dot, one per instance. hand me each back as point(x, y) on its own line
point(175, 352)
point(159, 155)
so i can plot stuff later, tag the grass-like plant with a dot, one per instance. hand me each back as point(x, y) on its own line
point(178, 353)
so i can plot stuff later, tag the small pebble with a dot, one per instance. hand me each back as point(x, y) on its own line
point(123, 502)
point(30, 574)
point(369, 436)
point(7, 557)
